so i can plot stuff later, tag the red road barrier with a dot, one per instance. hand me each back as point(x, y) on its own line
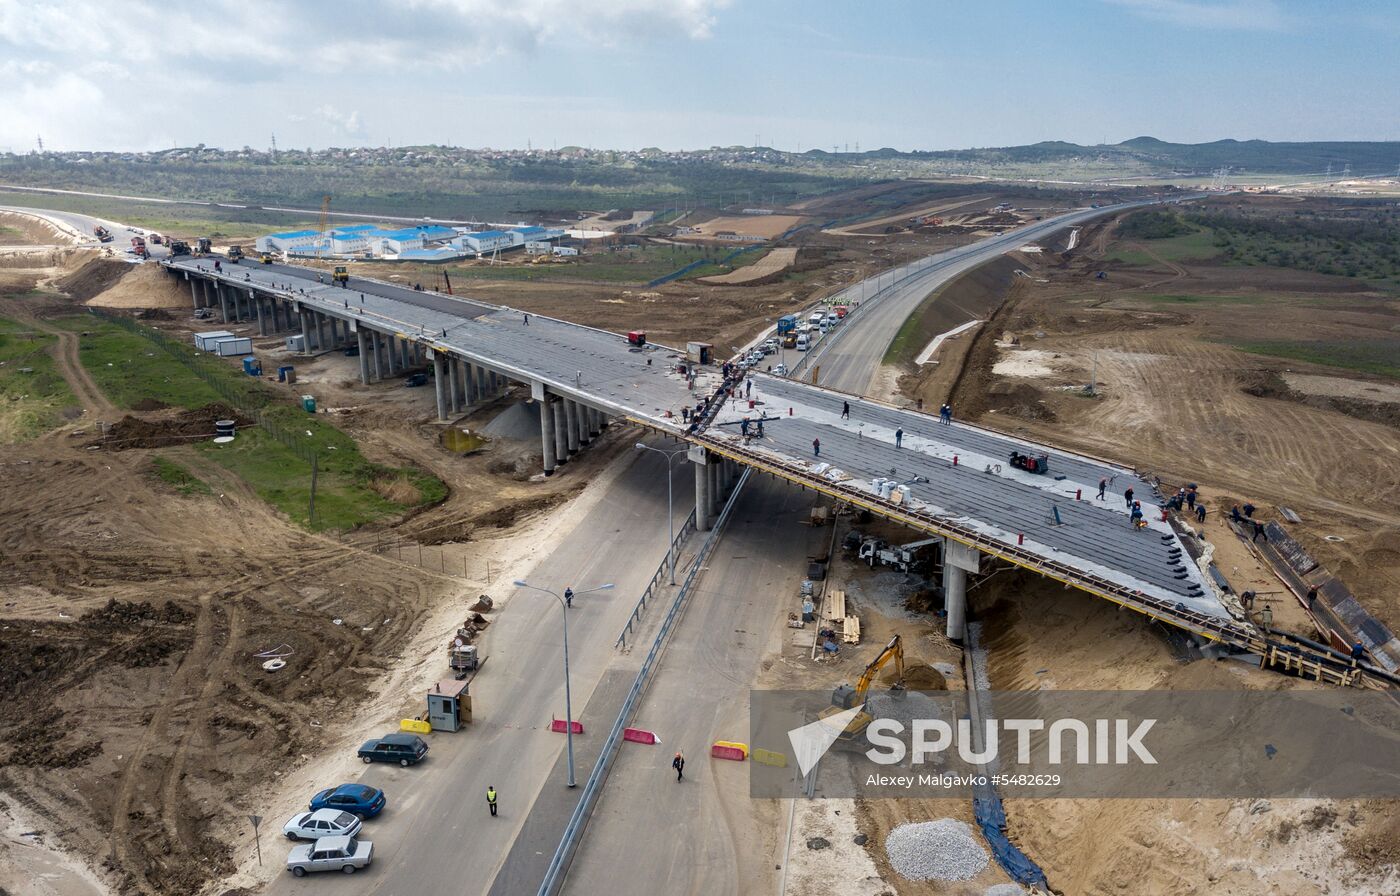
point(733, 753)
point(640, 736)
point(558, 725)
point(955, 460)
point(1079, 494)
point(1021, 538)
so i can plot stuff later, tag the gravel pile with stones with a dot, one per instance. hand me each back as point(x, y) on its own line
point(935, 850)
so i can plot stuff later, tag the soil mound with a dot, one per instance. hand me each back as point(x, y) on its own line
point(177, 428)
point(519, 422)
point(94, 278)
point(142, 286)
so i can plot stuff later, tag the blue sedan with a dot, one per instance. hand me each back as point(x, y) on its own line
point(360, 800)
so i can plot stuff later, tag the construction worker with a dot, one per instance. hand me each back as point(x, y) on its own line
point(1312, 598)
point(1191, 497)
point(568, 597)
point(679, 765)
point(845, 410)
point(527, 320)
point(491, 799)
point(744, 427)
point(1358, 653)
point(1266, 616)
point(817, 447)
point(1200, 513)
point(898, 438)
point(1103, 485)
point(1128, 496)
point(1259, 532)
point(1136, 516)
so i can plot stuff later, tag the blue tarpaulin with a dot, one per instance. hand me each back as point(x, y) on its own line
point(991, 818)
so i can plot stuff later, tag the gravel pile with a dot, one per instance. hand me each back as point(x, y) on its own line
point(935, 850)
point(1005, 890)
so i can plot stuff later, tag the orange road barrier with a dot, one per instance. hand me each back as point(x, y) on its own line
point(417, 726)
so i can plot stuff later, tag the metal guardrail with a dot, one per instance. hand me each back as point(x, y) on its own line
point(573, 832)
point(686, 528)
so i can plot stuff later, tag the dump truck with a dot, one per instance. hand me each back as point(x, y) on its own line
point(202, 246)
point(235, 253)
point(179, 247)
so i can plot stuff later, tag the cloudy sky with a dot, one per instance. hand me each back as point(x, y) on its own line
point(794, 74)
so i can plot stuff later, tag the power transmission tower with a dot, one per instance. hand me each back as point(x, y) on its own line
point(274, 144)
point(40, 139)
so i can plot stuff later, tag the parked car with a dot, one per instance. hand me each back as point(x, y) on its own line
point(780, 370)
point(770, 346)
point(321, 823)
point(330, 854)
point(405, 749)
point(359, 800)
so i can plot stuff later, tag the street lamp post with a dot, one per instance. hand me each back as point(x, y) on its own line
point(670, 515)
point(568, 699)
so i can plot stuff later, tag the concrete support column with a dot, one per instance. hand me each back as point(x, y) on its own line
point(363, 344)
point(702, 497)
point(585, 429)
point(404, 354)
point(453, 396)
point(334, 339)
point(194, 294)
point(391, 350)
point(320, 331)
point(469, 383)
point(571, 420)
point(595, 422)
point(440, 386)
point(460, 378)
point(223, 302)
point(262, 321)
point(547, 435)
point(561, 432)
point(716, 485)
point(955, 599)
point(483, 385)
point(305, 332)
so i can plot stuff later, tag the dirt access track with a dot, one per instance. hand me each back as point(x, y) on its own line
point(1176, 399)
point(138, 718)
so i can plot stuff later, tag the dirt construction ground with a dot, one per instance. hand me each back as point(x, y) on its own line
point(132, 618)
point(1176, 399)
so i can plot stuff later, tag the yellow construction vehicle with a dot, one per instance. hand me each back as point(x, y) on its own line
point(340, 275)
point(266, 258)
point(845, 696)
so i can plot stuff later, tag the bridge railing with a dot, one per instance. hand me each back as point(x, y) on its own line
point(661, 573)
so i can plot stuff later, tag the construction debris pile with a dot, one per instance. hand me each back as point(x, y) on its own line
point(935, 850)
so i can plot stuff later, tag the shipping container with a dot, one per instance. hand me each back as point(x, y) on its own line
point(233, 346)
point(205, 341)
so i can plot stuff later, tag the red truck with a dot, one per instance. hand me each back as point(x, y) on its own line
point(138, 247)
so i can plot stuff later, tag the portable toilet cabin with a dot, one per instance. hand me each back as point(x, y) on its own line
point(449, 705)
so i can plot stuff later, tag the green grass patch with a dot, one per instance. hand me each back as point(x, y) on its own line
point(1380, 357)
point(33, 395)
point(131, 369)
point(1199, 245)
point(10, 234)
point(273, 458)
point(178, 478)
point(1174, 299)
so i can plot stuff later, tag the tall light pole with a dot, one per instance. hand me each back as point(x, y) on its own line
point(568, 700)
point(670, 516)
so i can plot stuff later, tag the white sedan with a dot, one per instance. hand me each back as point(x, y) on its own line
point(321, 823)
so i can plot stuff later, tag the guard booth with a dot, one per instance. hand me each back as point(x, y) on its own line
point(449, 705)
point(699, 352)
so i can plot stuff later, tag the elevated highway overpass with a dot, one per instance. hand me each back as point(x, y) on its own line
point(955, 482)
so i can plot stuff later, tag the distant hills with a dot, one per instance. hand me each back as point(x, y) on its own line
point(1159, 156)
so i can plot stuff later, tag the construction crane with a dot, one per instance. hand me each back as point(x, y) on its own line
point(845, 697)
point(325, 214)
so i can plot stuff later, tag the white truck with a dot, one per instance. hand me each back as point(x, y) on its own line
point(900, 557)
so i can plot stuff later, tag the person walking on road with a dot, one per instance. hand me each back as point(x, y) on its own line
point(845, 410)
point(527, 320)
point(568, 597)
point(898, 438)
point(1103, 485)
point(817, 447)
point(679, 765)
point(491, 799)
point(1128, 496)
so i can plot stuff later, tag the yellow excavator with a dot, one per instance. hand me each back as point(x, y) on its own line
point(845, 696)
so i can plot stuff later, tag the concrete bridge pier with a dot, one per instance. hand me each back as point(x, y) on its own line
point(958, 561)
point(483, 392)
point(585, 429)
point(440, 385)
point(305, 331)
point(561, 432)
point(223, 301)
point(454, 398)
point(363, 345)
point(703, 501)
point(571, 420)
point(194, 292)
point(391, 350)
point(470, 393)
point(547, 434)
point(262, 321)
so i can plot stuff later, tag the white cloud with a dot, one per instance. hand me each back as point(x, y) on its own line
point(1237, 15)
